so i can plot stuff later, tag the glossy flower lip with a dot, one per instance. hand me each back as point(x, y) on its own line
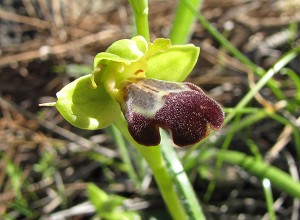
point(183, 109)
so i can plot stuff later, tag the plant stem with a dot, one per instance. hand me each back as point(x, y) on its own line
point(140, 10)
point(155, 160)
point(153, 155)
point(178, 196)
point(181, 180)
point(269, 198)
point(183, 21)
point(125, 156)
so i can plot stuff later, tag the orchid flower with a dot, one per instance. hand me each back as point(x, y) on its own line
point(142, 80)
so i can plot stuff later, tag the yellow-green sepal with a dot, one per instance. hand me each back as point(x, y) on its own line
point(86, 107)
point(123, 51)
point(174, 64)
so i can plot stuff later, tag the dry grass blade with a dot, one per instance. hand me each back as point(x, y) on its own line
point(83, 142)
point(283, 139)
point(40, 24)
point(69, 47)
point(29, 8)
point(83, 208)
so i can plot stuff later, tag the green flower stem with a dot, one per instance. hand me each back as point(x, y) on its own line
point(269, 198)
point(140, 10)
point(155, 160)
point(125, 156)
point(183, 21)
point(181, 180)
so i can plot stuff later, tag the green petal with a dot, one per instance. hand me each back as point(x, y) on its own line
point(141, 43)
point(125, 51)
point(174, 64)
point(104, 57)
point(86, 107)
point(159, 45)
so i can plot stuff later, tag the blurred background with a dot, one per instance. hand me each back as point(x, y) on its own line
point(46, 164)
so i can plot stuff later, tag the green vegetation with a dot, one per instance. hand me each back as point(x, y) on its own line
point(186, 178)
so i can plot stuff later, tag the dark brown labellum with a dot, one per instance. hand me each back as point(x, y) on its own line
point(180, 108)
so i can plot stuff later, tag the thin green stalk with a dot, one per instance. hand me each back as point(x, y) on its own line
point(257, 167)
point(223, 41)
point(269, 198)
point(219, 37)
point(283, 61)
point(125, 156)
point(279, 179)
point(245, 110)
point(183, 22)
point(233, 50)
point(212, 185)
point(295, 130)
point(266, 184)
point(153, 155)
point(257, 115)
point(140, 10)
point(164, 180)
point(181, 180)
point(294, 78)
point(254, 149)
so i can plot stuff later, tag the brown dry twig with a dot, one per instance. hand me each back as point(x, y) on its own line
point(35, 22)
point(72, 46)
point(83, 142)
point(258, 23)
point(283, 139)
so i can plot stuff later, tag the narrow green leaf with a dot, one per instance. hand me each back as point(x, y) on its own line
point(183, 21)
point(125, 155)
point(184, 188)
point(96, 195)
point(269, 198)
point(279, 179)
point(140, 9)
point(155, 160)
